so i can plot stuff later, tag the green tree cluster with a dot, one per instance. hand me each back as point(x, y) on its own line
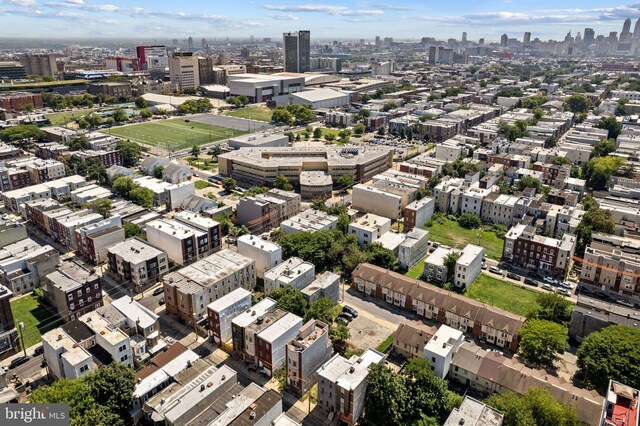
point(542, 341)
point(132, 191)
point(21, 132)
point(612, 125)
point(195, 106)
point(578, 104)
point(388, 106)
point(535, 101)
point(78, 143)
point(552, 307)
point(102, 398)
point(515, 131)
point(130, 152)
point(101, 206)
point(599, 170)
point(133, 230)
point(58, 101)
point(611, 353)
point(238, 101)
point(469, 221)
point(537, 407)
point(459, 168)
point(282, 183)
point(594, 220)
point(415, 396)
point(290, 114)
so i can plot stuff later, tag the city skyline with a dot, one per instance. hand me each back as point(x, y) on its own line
point(409, 19)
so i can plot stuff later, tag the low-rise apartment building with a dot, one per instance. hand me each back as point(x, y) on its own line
point(242, 321)
point(310, 220)
point(418, 212)
point(342, 385)
point(9, 342)
point(24, 264)
point(489, 324)
point(325, 285)
point(267, 211)
point(222, 311)
point(73, 290)
point(190, 289)
point(413, 248)
point(271, 343)
point(137, 261)
point(468, 266)
point(411, 337)
point(369, 228)
point(293, 272)
point(267, 254)
point(305, 354)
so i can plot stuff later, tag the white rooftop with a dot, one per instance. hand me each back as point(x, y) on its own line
point(134, 311)
point(255, 312)
point(228, 299)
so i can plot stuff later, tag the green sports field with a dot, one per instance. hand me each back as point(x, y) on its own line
point(174, 134)
point(252, 113)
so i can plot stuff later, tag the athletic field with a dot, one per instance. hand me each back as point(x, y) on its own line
point(174, 134)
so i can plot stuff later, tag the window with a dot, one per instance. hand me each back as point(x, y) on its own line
point(122, 348)
point(79, 293)
point(70, 296)
point(72, 306)
point(84, 368)
point(95, 286)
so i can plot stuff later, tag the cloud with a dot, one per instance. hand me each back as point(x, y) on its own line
point(323, 8)
point(384, 6)
point(22, 2)
point(283, 16)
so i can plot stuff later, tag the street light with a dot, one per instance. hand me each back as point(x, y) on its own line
point(21, 330)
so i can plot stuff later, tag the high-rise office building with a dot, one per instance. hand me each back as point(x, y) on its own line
point(297, 51)
point(190, 43)
point(378, 38)
point(625, 35)
point(589, 36)
point(636, 29)
point(184, 71)
point(153, 57)
point(527, 38)
point(40, 64)
point(504, 40)
point(464, 37)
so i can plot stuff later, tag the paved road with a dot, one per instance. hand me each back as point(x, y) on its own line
point(375, 310)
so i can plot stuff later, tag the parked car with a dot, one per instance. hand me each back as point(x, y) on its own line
point(601, 295)
point(550, 280)
point(169, 340)
point(346, 315)
point(529, 281)
point(342, 320)
point(350, 310)
point(161, 301)
point(436, 245)
point(624, 303)
point(514, 276)
point(566, 285)
point(495, 270)
point(584, 290)
point(546, 286)
point(484, 265)
point(534, 274)
point(158, 291)
point(506, 266)
point(39, 350)
point(18, 361)
point(564, 291)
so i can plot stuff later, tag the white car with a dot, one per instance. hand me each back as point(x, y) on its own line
point(495, 270)
point(564, 291)
point(566, 285)
point(550, 280)
point(546, 286)
point(170, 340)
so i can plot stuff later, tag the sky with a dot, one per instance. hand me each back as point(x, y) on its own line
point(330, 19)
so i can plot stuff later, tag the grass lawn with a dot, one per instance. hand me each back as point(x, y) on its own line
point(450, 233)
point(37, 320)
point(173, 133)
point(382, 347)
point(201, 184)
point(202, 163)
point(417, 270)
point(501, 294)
point(64, 117)
point(252, 113)
point(325, 131)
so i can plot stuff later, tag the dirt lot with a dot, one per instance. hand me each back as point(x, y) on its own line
point(367, 333)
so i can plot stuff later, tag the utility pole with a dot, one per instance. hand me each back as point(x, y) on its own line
point(21, 329)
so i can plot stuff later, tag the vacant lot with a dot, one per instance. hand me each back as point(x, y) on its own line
point(251, 113)
point(64, 117)
point(174, 134)
point(448, 232)
point(417, 270)
point(37, 320)
point(325, 131)
point(501, 294)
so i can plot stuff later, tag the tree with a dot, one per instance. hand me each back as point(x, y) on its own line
point(78, 143)
point(317, 133)
point(123, 185)
point(119, 115)
point(594, 220)
point(290, 299)
point(215, 150)
point(599, 170)
point(578, 103)
point(195, 151)
point(282, 117)
point(528, 182)
point(428, 394)
point(142, 196)
point(604, 148)
point(157, 172)
point(346, 181)
point(133, 230)
point(21, 132)
point(388, 106)
point(364, 98)
point(330, 137)
point(343, 223)
point(304, 115)
point(141, 102)
point(113, 385)
point(146, 113)
point(611, 353)
point(94, 169)
point(535, 101)
point(381, 256)
point(381, 131)
point(321, 309)
point(611, 124)
point(101, 206)
point(536, 407)
point(386, 399)
point(339, 335)
point(449, 262)
point(542, 341)
point(93, 120)
point(552, 307)
point(229, 184)
point(469, 221)
point(560, 161)
point(282, 183)
point(130, 152)
point(359, 129)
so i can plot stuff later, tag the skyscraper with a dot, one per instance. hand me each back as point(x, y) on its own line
point(504, 40)
point(464, 37)
point(527, 38)
point(636, 29)
point(190, 43)
point(589, 36)
point(297, 51)
point(625, 35)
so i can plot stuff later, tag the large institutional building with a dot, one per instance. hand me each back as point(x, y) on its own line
point(261, 166)
point(297, 51)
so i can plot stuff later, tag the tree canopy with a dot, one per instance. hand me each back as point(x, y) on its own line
point(290, 299)
point(542, 341)
point(552, 307)
point(599, 170)
point(195, 106)
point(101, 206)
point(594, 220)
point(611, 124)
point(611, 353)
point(129, 152)
point(578, 103)
point(537, 407)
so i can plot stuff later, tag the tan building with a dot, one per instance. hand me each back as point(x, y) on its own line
point(184, 71)
point(411, 337)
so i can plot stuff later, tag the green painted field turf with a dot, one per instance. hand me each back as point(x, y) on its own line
point(251, 113)
point(174, 134)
